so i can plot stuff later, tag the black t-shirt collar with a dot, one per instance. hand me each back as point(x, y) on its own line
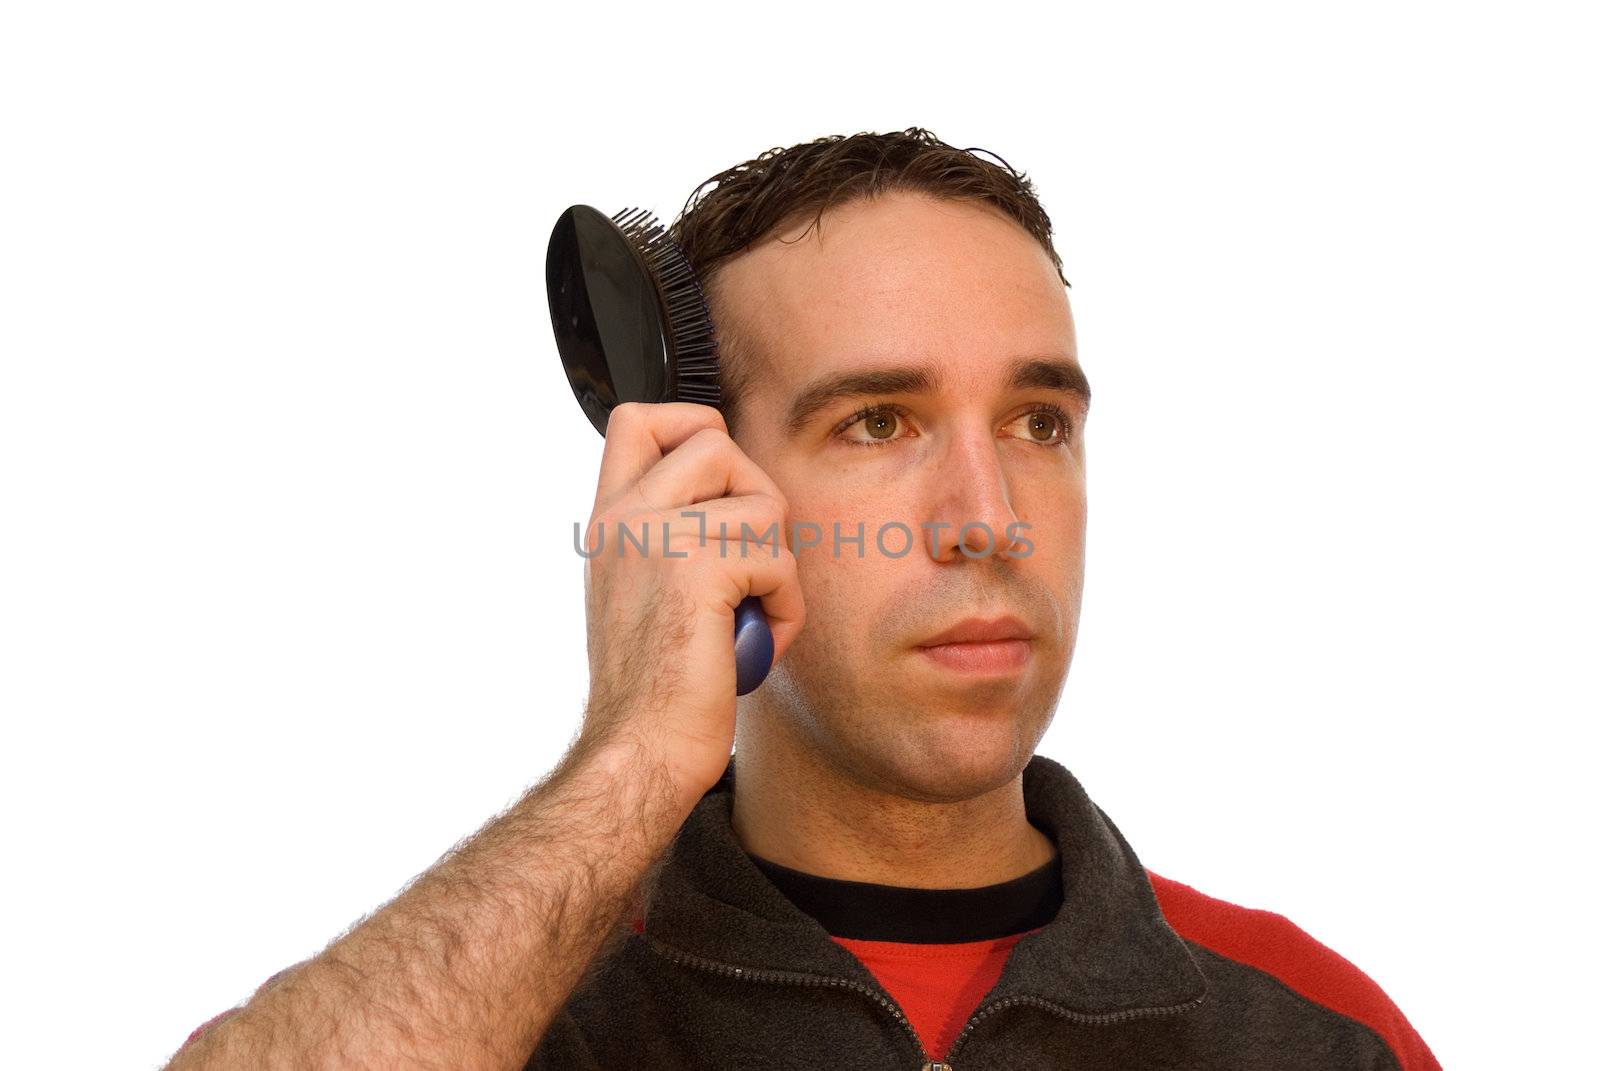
point(869, 912)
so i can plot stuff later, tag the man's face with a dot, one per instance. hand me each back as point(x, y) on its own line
point(961, 294)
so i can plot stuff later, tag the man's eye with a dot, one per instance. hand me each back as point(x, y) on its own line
point(1047, 425)
point(877, 425)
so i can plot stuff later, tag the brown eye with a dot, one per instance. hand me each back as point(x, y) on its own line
point(885, 425)
point(1042, 426)
point(1047, 425)
point(882, 424)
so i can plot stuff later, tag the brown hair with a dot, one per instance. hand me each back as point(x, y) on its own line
point(751, 200)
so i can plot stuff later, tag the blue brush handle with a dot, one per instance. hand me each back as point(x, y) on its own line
point(752, 645)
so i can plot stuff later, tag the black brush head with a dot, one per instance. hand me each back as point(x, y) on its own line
point(630, 319)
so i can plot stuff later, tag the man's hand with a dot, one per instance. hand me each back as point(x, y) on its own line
point(660, 621)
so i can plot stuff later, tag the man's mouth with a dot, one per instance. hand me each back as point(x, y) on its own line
point(981, 645)
point(981, 630)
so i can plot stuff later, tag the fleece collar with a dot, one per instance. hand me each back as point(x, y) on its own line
point(1107, 952)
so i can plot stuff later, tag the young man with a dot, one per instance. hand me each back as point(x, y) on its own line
point(885, 874)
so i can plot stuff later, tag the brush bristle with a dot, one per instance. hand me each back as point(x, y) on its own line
point(693, 340)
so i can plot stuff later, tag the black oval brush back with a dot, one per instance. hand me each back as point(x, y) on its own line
point(630, 319)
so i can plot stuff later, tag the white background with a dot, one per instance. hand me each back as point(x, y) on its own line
point(289, 468)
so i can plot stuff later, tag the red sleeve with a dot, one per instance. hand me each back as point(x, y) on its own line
point(1276, 946)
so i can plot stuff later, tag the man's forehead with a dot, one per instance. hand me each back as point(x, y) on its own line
point(895, 282)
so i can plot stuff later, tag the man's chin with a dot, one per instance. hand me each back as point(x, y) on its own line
point(944, 752)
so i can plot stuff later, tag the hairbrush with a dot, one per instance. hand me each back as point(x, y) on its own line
point(632, 325)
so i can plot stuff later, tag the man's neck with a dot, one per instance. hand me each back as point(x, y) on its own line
point(794, 808)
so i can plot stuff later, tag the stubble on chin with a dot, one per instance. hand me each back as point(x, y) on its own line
point(881, 721)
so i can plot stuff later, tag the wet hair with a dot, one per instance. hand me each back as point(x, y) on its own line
point(750, 201)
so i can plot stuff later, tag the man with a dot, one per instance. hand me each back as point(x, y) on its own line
point(884, 874)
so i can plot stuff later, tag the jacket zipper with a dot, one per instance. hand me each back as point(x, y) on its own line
point(1066, 1013)
point(799, 978)
point(882, 998)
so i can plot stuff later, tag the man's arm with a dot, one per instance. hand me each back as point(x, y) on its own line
point(466, 968)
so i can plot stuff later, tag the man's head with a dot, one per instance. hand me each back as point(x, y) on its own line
point(899, 274)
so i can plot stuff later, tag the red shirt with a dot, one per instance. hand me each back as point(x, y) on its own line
point(936, 951)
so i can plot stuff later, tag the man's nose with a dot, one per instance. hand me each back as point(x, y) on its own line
point(970, 512)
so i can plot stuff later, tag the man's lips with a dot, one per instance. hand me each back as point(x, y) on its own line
point(981, 630)
point(983, 646)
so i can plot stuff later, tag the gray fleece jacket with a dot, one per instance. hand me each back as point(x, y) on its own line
point(728, 973)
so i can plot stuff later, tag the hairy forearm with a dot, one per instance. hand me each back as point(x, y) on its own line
point(466, 968)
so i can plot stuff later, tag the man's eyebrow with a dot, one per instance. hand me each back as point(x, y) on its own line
point(1050, 373)
point(1029, 373)
point(817, 396)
